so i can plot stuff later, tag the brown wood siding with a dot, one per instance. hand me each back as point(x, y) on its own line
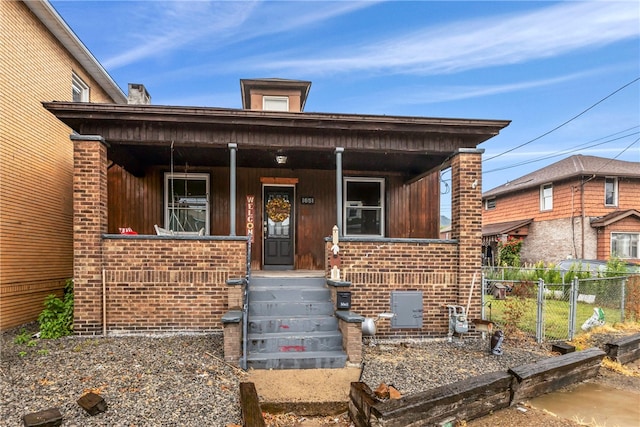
point(36, 166)
point(411, 210)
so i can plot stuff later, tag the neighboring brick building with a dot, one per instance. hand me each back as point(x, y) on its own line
point(580, 207)
point(40, 60)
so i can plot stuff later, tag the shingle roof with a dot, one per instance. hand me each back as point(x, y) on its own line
point(614, 217)
point(574, 166)
point(504, 227)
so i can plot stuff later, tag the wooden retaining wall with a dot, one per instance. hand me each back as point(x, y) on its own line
point(625, 349)
point(473, 397)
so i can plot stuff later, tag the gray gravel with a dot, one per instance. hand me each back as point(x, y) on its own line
point(181, 380)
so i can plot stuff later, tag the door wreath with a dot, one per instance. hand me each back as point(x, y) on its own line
point(278, 209)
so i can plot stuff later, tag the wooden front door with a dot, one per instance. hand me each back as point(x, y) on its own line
point(279, 227)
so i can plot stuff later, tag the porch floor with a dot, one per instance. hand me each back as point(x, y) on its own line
point(288, 273)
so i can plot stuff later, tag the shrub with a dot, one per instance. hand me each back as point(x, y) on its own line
point(56, 320)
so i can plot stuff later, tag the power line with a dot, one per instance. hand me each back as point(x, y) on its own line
point(565, 123)
point(579, 147)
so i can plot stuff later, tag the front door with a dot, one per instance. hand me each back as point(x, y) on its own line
point(279, 227)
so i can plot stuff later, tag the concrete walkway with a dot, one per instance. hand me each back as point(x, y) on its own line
point(308, 392)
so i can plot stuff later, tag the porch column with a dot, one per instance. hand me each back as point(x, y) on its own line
point(233, 148)
point(339, 151)
point(90, 220)
point(466, 223)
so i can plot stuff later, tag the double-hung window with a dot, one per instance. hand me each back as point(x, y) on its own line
point(624, 245)
point(611, 191)
point(363, 207)
point(546, 197)
point(186, 207)
point(79, 89)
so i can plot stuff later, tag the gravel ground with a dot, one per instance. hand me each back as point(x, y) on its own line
point(182, 380)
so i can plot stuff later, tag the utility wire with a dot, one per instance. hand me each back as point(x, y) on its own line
point(561, 153)
point(565, 123)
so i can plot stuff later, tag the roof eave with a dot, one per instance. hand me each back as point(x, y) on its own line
point(61, 31)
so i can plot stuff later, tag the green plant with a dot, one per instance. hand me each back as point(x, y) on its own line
point(23, 337)
point(43, 352)
point(32, 343)
point(56, 320)
point(22, 353)
point(509, 252)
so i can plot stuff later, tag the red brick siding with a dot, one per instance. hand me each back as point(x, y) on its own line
point(169, 284)
point(377, 268)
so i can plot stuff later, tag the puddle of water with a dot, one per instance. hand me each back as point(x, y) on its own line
point(594, 405)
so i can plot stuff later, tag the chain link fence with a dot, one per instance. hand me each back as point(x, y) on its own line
point(558, 311)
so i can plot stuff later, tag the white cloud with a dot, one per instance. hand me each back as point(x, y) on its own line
point(479, 43)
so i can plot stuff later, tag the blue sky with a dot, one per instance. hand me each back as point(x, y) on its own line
point(540, 64)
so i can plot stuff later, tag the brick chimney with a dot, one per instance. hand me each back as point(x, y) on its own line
point(138, 94)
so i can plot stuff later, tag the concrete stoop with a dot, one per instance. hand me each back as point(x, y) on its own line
point(304, 392)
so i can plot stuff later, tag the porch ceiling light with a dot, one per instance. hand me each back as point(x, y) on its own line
point(281, 160)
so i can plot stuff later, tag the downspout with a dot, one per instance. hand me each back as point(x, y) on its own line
point(233, 147)
point(582, 218)
point(104, 302)
point(339, 151)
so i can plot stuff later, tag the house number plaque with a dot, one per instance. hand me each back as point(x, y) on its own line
point(307, 200)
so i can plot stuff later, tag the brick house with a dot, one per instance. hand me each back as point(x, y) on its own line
point(580, 207)
point(219, 195)
point(40, 59)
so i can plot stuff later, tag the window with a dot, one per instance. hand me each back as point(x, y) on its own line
point(275, 103)
point(79, 89)
point(546, 197)
point(611, 191)
point(624, 245)
point(490, 204)
point(186, 207)
point(363, 207)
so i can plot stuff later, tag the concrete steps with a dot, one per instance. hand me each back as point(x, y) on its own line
point(291, 325)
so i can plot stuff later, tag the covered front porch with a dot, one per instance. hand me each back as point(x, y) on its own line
point(377, 178)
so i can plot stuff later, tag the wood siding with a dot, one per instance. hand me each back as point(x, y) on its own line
point(411, 210)
point(36, 165)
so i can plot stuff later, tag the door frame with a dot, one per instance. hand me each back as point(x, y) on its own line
point(294, 229)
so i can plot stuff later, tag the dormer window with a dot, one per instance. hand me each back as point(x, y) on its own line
point(275, 103)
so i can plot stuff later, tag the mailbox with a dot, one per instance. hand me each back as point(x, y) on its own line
point(343, 300)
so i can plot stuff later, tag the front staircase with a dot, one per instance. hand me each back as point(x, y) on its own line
point(291, 325)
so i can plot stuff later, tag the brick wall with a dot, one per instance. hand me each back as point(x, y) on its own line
point(159, 284)
point(376, 268)
point(36, 165)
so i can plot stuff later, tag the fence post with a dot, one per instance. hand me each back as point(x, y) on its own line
point(540, 320)
point(483, 288)
point(573, 301)
point(623, 297)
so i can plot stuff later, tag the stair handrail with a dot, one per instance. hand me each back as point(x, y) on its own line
point(245, 308)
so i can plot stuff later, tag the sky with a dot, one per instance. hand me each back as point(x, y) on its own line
point(567, 74)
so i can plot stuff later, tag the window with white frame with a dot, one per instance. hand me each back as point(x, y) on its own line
point(624, 245)
point(611, 191)
point(79, 89)
point(275, 103)
point(186, 206)
point(490, 204)
point(546, 197)
point(363, 207)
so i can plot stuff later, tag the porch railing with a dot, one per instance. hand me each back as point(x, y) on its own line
point(245, 309)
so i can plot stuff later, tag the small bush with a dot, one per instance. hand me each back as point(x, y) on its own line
point(56, 320)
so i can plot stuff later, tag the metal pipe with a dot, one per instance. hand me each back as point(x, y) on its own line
point(233, 147)
point(339, 151)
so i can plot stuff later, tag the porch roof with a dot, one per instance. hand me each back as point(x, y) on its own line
point(140, 136)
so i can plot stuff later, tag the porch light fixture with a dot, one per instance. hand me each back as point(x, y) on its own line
point(281, 160)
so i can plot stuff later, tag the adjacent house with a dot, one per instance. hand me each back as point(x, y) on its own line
point(580, 207)
point(40, 59)
point(215, 195)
